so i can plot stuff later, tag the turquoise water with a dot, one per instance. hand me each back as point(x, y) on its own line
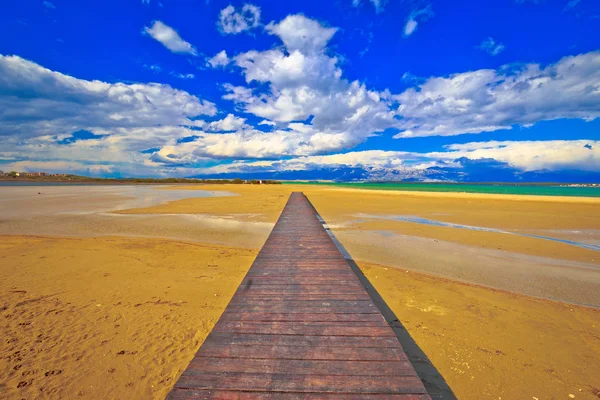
point(416, 187)
point(471, 188)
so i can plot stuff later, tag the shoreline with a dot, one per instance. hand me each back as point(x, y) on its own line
point(468, 195)
point(417, 193)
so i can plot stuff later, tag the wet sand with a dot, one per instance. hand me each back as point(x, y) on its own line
point(62, 255)
point(545, 277)
point(27, 201)
point(93, 211)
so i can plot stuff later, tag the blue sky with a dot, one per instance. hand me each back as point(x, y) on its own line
point(342, 89)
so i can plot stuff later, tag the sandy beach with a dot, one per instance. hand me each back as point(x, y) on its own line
point(108, 292)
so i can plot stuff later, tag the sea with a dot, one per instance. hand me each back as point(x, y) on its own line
point(522, 189)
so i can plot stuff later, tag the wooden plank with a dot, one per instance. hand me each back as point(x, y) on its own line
point(321, 297)
point(298, 317)
point(358, 304)
point(303, 383)
point(309, 280)
point(306, 367)
point(294, 290)
point(310, 329)
point(228, 338)
point(283, 308)
point(300, 326)
point(268, 281)
point(188, 394)
point(297, 287)
point(293, 274)
point(305, 353)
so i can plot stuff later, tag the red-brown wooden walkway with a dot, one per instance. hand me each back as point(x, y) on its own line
point(300, 326)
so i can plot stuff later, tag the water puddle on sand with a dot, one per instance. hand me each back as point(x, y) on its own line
point(27, 201)
point(86, 211)
point(432, 222)
point(221, 222)
point(551, 278)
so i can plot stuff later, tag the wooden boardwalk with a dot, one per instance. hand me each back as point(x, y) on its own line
point(300, 326)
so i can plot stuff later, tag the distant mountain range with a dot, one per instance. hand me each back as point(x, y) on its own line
point(471, 171)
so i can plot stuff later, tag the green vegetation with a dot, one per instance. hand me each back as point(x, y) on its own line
point(40, 177)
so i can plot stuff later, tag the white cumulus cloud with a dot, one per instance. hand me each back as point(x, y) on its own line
point(234, 21)
point(36, 101)
point(227, 124)
point(531, 155)
point(305, 81)
point(219, 60)
point(298, 32)
point(488, 100)
point(169, 38)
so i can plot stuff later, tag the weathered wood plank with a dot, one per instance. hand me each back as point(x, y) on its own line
point(305, 353)
point(301, 280)
point(188, 394)
point(303, 383)
point(295, 290)
point(310, 329)
point(315, 309)
point(322, 297)
point(228, 338)
point(359, 304)
point(306, 367)
point(298, 317)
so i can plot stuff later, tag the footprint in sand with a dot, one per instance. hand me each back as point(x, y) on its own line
point(22, 384)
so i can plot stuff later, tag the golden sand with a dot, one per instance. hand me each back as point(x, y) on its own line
point(121, 317)
point(491, 344)
point(107, 318)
